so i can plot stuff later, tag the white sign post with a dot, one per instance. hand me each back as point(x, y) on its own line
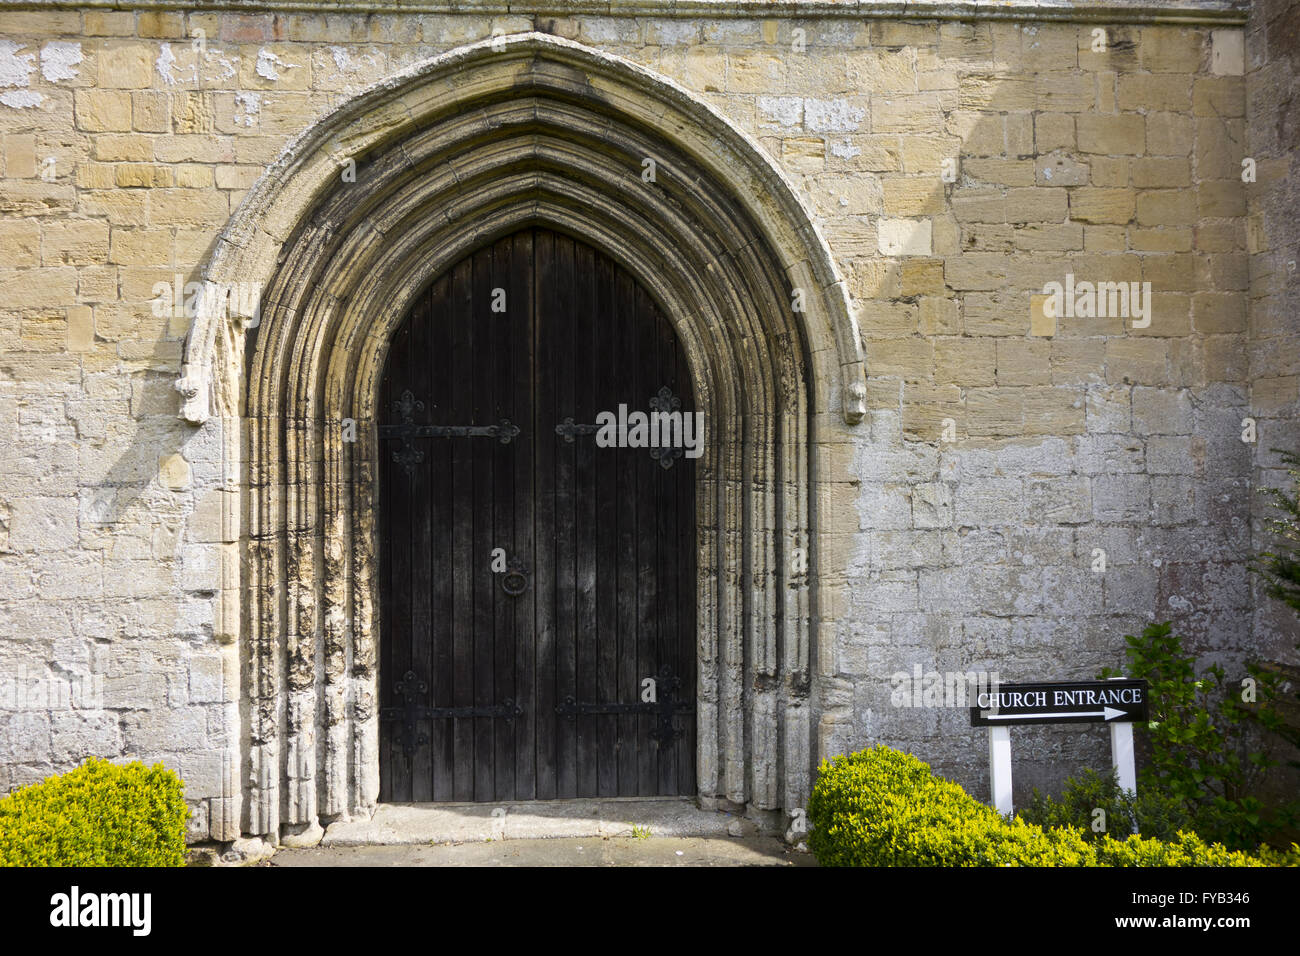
point(1000, 768)
point(1121, 755)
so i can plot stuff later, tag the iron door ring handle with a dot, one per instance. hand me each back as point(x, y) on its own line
point(515, 581)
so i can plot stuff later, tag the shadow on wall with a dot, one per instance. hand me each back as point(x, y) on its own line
point(116, 528)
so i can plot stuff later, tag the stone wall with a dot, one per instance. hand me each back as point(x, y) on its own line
point(955, 168)
point(1273, 231)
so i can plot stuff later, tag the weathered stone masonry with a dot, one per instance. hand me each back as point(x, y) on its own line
point(179, 517)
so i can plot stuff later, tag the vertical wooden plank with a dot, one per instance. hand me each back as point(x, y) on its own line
point(647, 597)
point(625, 459)
point(460, 409)
point(485, 586)
point(607, 504)
point(545, 279)
point(523, 321)
point(585, 320)
point(503, 530)
point(419, 529)
point(438, 452)
point(562, 317)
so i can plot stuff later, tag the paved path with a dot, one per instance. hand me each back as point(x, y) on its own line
point(433, 823)
point(563, 851)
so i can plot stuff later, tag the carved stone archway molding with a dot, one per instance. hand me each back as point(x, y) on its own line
point(447, 156)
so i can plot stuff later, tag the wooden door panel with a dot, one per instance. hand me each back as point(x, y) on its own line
point(532, 695)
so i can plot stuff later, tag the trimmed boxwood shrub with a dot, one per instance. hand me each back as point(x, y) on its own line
point(99, 814)
point(881, 807)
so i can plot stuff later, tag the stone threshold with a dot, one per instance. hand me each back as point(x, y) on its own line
point(424, 823)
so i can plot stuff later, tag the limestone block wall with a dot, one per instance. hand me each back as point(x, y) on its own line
point(956, 167)
point(1273, 241)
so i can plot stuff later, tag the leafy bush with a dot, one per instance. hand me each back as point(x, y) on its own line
point(1149, 812)
point(1186, 849)
point(1199, 757)
point(99, 814)
point(880, 807)
point(1280, 569)
point(1270, 856)
point(884, 808)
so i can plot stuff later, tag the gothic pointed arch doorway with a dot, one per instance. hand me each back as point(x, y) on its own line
point(536, 588)
point(449, 155)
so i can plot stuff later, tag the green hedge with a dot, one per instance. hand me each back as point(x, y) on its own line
point(100, 814)
point(880, 807)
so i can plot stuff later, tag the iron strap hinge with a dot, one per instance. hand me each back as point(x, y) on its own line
point(569, 429)
point(665, 707)
point(664, 731)
point(410, 713)
point(408, 456)
point(664, 402)
point(508, 710)
point(503, 432)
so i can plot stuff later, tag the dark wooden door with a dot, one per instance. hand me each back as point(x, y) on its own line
point(532, 581)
